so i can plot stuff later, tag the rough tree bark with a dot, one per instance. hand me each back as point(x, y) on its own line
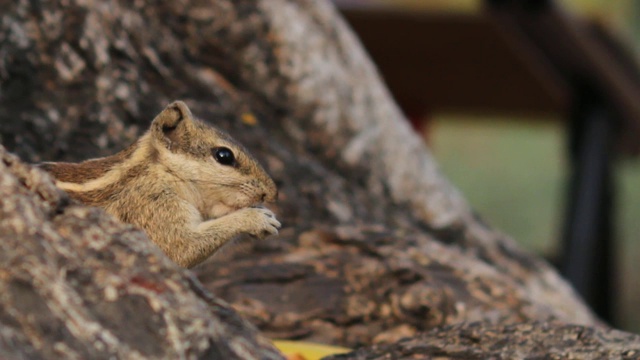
point(480, 341)
point(76, 284)
point(377, 245)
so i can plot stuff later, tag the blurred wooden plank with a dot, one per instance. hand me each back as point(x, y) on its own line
point(456, 62)
point(587, 56)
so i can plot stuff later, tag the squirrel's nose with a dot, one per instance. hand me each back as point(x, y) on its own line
point(266, 197)
point(269, 191)
point(269, 196)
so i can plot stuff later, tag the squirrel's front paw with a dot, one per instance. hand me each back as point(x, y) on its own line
point(260, 222)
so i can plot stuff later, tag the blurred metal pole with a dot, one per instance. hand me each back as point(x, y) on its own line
point(602, 95)
point(588, 241)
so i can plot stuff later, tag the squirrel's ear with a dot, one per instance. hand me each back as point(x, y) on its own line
point(172, 124)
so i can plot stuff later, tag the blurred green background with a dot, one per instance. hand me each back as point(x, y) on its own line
point(514, 172)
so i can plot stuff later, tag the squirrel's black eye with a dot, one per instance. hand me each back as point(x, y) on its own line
point(224, 156)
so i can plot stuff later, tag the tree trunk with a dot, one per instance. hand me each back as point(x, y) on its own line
point(519, 341)
point(377, 245)
point(76, 284)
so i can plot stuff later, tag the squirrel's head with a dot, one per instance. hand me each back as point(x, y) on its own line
point(219, 171)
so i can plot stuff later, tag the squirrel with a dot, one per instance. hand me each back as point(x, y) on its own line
point(188, 185)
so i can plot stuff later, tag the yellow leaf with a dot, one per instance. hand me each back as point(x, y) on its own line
point(300, 350)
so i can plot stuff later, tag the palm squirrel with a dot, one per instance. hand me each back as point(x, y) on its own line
point(190, 186)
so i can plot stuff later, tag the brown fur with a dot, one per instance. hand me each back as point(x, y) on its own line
point(169, 184)
point(86, 170)
point(103, 196)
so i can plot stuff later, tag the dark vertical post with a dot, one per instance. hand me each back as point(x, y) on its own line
point(588, 241)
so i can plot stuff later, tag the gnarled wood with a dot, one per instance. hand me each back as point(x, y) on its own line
point(377, 245)
point(76, 284)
